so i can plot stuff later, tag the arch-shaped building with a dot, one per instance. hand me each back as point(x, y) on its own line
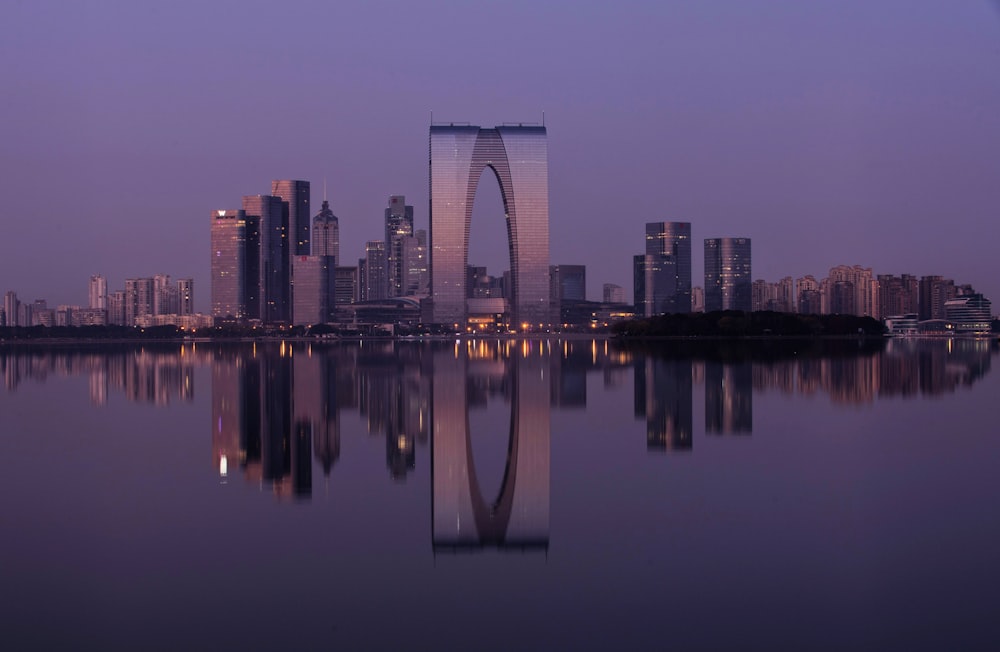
point(518, 156)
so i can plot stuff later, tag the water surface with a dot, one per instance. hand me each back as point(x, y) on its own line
point(501, 495)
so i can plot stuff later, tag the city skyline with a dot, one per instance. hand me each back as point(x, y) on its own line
point(855, 133)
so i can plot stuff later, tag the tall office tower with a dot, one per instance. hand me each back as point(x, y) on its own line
point(372, 272)
point(346, 286)
point(235, 265)
point(673, 239)
point(415, 264)
point(654, 278)
point(518, 157)
point(295, 195)
point(98, 292)
point(116, 308)
point(311, 284)
point(934, 292)
point(567, 283)
point(138, 299)
point(11, 308)
point(3, 317)
point(274, 257)
point(165, 299)
point(398, 227)
point(326, 233)
point(185, 296)
point(614, 293)
point(727, 274)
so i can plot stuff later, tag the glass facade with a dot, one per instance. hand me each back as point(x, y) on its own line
point(398, 228)
point(518, 156)
point(673, 239)
point(728, 280)
point(273, 258)
point(295, 195)
point(326, 233)
point(654, 278)
point(228, 265)
point(311, 285)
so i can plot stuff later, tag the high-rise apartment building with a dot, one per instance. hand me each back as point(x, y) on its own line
point(372, 271)
point(326, 233)
point(934, 293)
point(235, 265)
point(398, 227)
point(808, 296)
point(11, 308)
point(518, 157)
point(165, 299)
point(673, 239)
point(97, 292)
point(295, 196)
point(273, 255)
point(859, 283)
point(138, 299)
point(654, 278)
point(728, 276)
point(898, 295)
point(116, 308)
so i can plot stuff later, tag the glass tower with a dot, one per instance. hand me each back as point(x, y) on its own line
point(398, 227)
point(728, 280)
point(295, 195)
point(673, 239)
point(518, 156)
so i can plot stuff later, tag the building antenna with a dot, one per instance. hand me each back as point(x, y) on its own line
point(543, 118)
point(324, 188)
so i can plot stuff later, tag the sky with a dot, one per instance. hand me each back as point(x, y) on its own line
point(829, 132)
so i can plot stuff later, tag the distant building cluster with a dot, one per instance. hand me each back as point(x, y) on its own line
point(145, 302)
point(271, 265)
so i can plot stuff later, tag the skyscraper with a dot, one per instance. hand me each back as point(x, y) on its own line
point(673, 239)
point(415, 264)
point(98, 292)
point(727, 274)
point(273, 255)
point(312, 278)
point(295, 195)
point(372, 272)
point(326, 233)
point(518, 157)
point(398, 227)
point(654, 278)
point(235, 265)
point(11, 308)
point(185, 296)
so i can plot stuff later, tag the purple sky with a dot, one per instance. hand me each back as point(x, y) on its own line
point(830, 132)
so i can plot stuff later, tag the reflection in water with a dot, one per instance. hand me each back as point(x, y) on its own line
point(276, 407)
point(728, 398)
point(519, 515)
point(663, 398)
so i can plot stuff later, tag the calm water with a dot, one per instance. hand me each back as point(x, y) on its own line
point(501, 495)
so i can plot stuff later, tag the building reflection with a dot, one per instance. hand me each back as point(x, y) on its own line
point(278, 409)
point(518, 517)
point(728, 398)
point(663, 397)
